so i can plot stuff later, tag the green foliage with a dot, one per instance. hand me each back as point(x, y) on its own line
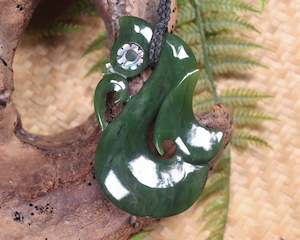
point(96, 44)
point(224, 29)
point(140, 236)
point(221, 45)
point(80, 8)
point(56, 29)
point(243, 139)
point(215, 199)
point(262, 4)
point(250, 117)
point(58, 23)
point(230, 64)
point(227, 6)
point(215, 10)
point(217, 31)
point(85, 8)
point(235, 97)
point(227, 63)
point(99, 66)
point(66, 23)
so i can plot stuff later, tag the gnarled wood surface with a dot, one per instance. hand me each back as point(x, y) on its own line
point(47, 189)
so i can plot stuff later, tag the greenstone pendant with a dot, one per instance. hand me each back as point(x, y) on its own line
point(133, 177)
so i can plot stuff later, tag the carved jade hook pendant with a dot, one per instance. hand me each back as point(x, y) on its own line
point(133, 177)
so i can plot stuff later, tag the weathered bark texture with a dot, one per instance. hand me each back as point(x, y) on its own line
point(47, 189)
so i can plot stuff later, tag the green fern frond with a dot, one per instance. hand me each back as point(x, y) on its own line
point(239, 97)
point(186, 14)
point(216, 199)
point(262, 4)
point(216, 23)
point(80, 8)
point(57, 29)
point(192, 38)
point(221, 45)
point(63, 23)
point(242, 97)
point(216, 204)
point(97, 44)
point(226, 6)
point(243, 139)
point(213, 185)
point(202, 84)
point(227, 56)
point(249, 117)
point(181, 2)
point(202, 102)
point(233, 64)
point(217, 221)
point(216, 237)
point(187, 11)
point(140, 236)
point(189, 32)
point(99, 66)
point(206, 61)
point(223, 164)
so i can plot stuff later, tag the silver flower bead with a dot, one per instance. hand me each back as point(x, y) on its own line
point(130, 56)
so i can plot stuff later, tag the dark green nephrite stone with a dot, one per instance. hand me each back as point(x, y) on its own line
point(132, 176)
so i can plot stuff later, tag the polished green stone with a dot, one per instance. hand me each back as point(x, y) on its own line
point(133, 177)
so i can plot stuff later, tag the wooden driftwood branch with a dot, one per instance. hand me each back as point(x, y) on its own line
point(47, 188)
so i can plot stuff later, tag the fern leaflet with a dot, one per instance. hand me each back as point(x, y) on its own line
point(245, 139)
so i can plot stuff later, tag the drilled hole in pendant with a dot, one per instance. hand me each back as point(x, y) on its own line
point(130, 56)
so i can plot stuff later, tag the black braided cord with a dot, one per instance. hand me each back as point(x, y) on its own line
point(161, 27)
